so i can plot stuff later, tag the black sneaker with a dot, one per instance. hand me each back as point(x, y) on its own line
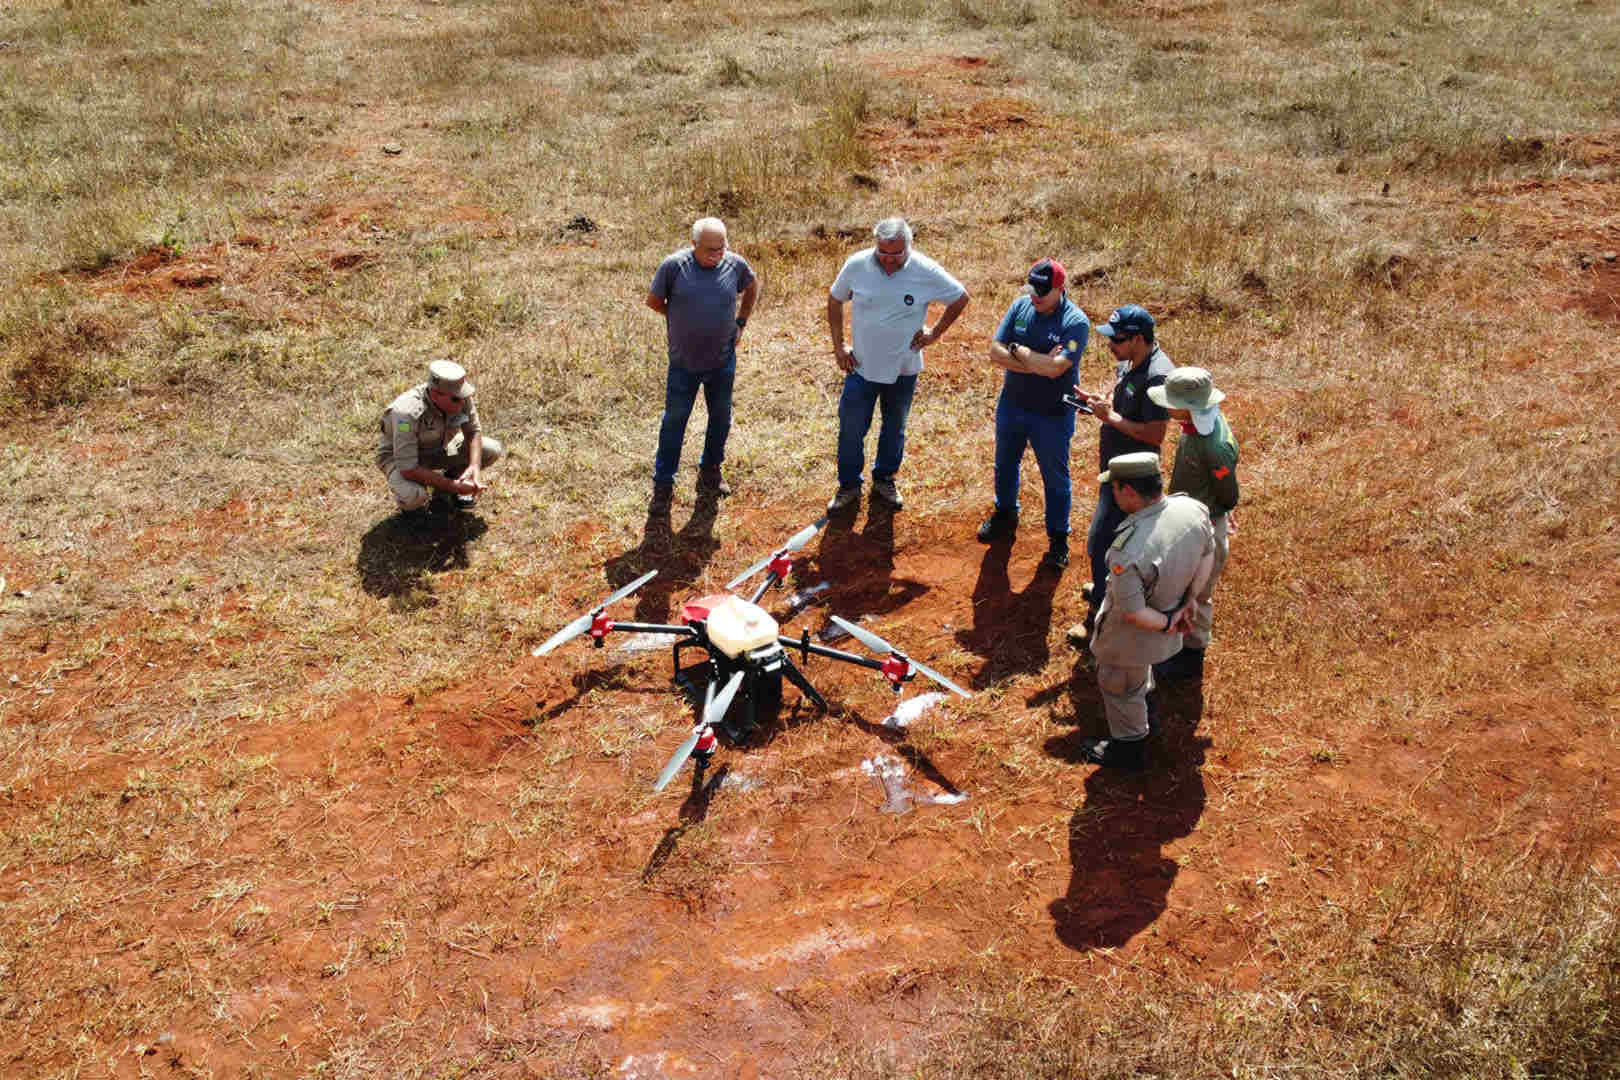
point(1000, 525)
point(1057, 553)
point(663, 495)
point(1114, 754)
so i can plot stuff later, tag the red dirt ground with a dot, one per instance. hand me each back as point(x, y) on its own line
point(820, 913)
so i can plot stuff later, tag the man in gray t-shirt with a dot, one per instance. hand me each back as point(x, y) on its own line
point(705, 293)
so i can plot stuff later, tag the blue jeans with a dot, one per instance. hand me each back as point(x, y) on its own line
point(1049, 436)
point(680, 393)
point(855, 407)
point(1100, 538)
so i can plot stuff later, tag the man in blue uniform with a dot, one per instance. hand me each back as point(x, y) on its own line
point(1131, 424)
point(1039, 344)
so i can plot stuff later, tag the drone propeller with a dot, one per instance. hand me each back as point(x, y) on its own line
point(877, 644)
point(583, 623)
point(714, 710)
point(795, 543)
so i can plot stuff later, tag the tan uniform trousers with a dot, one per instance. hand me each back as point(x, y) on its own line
point(1204, 619)
point(1124, 693)
point(411, 496)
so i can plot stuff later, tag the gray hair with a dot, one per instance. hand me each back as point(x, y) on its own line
point(892, 228)
point(706, 224)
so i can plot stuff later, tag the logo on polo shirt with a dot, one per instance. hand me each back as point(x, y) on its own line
point(910, 300)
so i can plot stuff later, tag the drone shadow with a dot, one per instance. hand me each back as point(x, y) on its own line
point(1009, 629)
point(679, 558)
point(860, 565)
point(398, 553)
point(1120, 878)
point(693, 810)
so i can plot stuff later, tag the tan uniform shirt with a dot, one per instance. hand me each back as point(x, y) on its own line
point(1152, 562)
point(416, 432)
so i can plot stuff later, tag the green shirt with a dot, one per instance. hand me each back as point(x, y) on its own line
point(1206, 468)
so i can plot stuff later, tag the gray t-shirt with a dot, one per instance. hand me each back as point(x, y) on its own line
point(702, 303)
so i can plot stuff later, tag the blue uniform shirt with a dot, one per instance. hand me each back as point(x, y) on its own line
point(1023, 325)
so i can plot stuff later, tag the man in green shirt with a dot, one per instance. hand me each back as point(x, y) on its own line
point(1206, 469)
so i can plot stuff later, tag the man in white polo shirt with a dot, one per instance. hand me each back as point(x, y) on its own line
point(889, 287)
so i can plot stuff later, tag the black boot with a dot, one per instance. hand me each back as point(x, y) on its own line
point(1114, 754)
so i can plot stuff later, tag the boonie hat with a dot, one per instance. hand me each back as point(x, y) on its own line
point(1190, 388)
point(451, 377)
point(1044, 276)
point(1125, 321)
point(1130, 467)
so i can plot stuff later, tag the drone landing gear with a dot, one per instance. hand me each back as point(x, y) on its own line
point(796, 677)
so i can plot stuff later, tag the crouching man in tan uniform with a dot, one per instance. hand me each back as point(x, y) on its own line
point(431, 442)
point(1160, 559)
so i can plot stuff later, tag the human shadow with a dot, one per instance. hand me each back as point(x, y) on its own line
point(693, 810)
point(1009, 629)
point(398, 553)
point(860, 565)
point(679, 558)
point(1120, 878)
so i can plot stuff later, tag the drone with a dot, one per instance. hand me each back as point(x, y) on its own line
point(746, 653)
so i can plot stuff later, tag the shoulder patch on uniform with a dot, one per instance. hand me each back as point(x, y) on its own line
point(1119, 568)
point(404, 425)
point(1221, 473)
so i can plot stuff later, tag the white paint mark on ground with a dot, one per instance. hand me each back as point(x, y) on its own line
point(890, 773)
point(910, 709)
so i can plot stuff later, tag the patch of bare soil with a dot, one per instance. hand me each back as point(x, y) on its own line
point(1571, 226)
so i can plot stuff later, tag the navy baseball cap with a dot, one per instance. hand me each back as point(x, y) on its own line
point(1127, 320)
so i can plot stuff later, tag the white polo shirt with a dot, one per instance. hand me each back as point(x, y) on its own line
point(889, 309)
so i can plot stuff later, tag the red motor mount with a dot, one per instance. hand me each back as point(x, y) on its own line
point(896, 669)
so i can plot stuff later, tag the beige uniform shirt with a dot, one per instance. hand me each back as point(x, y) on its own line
point(415, 431)
point(1152, 562)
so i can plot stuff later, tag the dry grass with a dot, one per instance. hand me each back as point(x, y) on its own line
point(273, 784)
